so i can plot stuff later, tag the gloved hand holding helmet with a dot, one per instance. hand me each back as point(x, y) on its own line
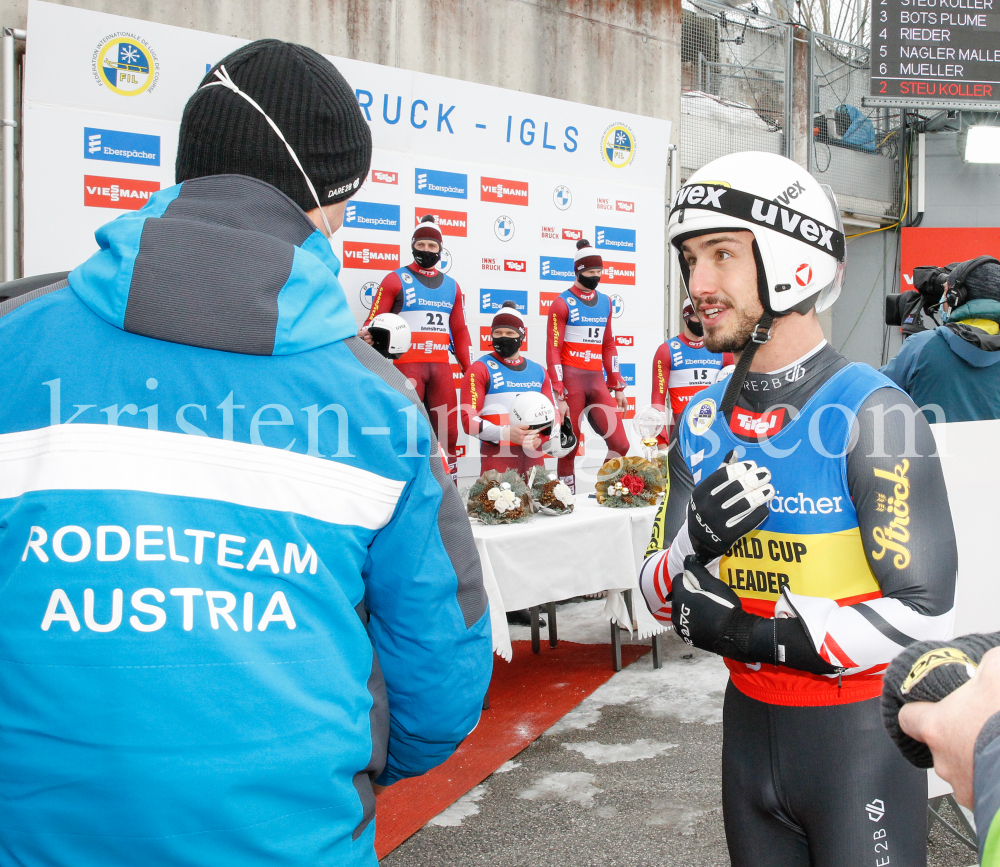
point(390, 335)
point(532, 417)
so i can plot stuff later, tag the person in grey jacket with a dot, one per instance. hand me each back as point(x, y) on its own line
point(953, 371)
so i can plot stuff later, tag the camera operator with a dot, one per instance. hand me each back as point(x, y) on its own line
point(955, 366)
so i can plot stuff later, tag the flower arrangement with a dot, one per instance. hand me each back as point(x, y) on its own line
point(500, 498)
point(626, 483)
point(551, 496)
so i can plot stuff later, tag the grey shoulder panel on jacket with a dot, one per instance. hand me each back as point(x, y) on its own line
point(453, 522)
point(19, 301)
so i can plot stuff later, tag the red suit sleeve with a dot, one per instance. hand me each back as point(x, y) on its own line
point(555, 333)
point(610, 353)
point(728, 358)
point(385, 298)
point(460, 331)
point(661, 394)
point(475, 387)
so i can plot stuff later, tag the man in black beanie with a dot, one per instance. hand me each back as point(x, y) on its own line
point(234, 614)
point(953, 371)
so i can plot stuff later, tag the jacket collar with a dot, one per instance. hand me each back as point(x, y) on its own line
point(224, 262)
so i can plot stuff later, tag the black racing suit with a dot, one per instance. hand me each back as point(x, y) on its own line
point(814, 780)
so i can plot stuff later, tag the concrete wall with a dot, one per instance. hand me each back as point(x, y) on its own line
point(957, 194)
point(621, 54)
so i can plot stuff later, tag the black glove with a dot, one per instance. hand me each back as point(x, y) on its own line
point(708, 614)
point(726, 506)
point(928, 671)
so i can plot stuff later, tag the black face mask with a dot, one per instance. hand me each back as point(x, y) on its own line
point(506, 347)
point(588, 282)
point(695, 327)
point(426, 259)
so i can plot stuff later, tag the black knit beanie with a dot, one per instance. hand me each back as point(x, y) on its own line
point(309, 101)
point(928, 671)
point(984, 283)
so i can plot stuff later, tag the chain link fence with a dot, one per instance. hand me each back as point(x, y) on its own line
point(853, 149)
point(737, 88)
point(734, 70)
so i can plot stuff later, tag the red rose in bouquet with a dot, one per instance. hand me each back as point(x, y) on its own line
point(634, 484)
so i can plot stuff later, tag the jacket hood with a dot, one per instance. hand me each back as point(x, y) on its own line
point(224, 262)
point(972, 345)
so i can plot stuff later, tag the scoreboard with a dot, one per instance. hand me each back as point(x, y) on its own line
point(935, 52)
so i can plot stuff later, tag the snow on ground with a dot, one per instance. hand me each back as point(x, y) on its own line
point(605, 754)
point(464, 807)
point(506, 767)
point(576, 786)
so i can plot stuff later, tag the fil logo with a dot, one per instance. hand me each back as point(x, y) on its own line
point(515, 265)
point(572, 234)
point(875, 810)
point(388, 177)
point(628, 207)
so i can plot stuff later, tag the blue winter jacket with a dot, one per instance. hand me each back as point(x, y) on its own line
point(952, 372)
point(235, 584)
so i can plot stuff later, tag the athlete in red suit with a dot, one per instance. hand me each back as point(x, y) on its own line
point(489, 390)
point(580, 352)
point(696, 369)
point(432, 304)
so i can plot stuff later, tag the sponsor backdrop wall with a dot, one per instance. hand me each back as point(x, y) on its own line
point(514, 178)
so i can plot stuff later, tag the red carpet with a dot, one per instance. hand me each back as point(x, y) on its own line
point(527, 696)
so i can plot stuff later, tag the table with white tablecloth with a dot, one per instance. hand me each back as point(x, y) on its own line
point(550, 558)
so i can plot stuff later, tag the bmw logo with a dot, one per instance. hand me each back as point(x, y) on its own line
point(562, 197)
point(617, 306)
point(503, 228)
point(444, 264)
point(368, 294)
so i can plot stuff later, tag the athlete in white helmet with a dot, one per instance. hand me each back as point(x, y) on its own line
point(489, 392)
point(811, 535)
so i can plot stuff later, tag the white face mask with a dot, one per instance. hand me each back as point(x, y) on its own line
point(229, 84)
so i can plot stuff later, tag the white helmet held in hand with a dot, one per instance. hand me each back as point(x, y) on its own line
point(564, 444)
point(800, 245)
point(534, 409)
point(390, 334)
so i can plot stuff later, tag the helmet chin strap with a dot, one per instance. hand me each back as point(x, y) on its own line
point(761, 335)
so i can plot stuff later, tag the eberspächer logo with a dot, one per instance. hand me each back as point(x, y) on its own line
point(125, 64)
point(618, 145)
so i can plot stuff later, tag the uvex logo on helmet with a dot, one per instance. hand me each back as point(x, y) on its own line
point(763, 212)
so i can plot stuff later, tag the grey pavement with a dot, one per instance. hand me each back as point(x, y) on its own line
point(631, 777)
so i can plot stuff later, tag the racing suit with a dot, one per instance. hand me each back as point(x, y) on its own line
point(681, 368)
point(433, 306)
point(580, 354)
point(858, 557)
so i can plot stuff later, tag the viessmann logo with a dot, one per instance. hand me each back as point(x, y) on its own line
point(500, 190)
point(125, 64)
point(120, 193)
point(449, 222)
point(361, 254)
point(619, 273)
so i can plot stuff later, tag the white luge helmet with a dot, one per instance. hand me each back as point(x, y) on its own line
point(533, 409)
point(562, 445)
point(390, 334)
point(800, 243)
